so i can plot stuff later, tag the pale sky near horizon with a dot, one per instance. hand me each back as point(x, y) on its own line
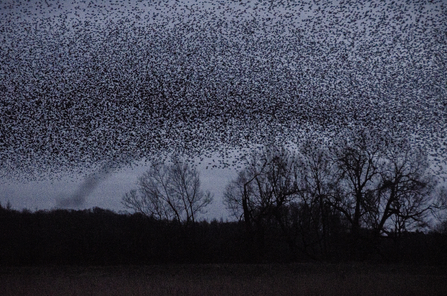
point(43, 195)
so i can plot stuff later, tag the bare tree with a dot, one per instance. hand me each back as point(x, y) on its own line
point(362, 187)
point(316, 218)
point(169, 191)
point(266, 183)
point(356, 163)
point(383, 183)
point(262, 191)
point(406, 193)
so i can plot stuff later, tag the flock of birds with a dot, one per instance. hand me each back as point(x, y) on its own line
point(94, 84)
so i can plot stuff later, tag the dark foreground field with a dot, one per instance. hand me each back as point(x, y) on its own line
point(292, 279)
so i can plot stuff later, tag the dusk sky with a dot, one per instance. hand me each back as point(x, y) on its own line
point(86, 85)
point(108, 192)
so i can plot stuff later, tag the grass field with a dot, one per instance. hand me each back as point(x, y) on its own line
point(289, 279)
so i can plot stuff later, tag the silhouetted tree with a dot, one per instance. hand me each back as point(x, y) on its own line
point(406, 193)
point(169, 191)
point(356, 173)
point(316, 219)
point(261, 192)
point(382, 183)
point(382, 186)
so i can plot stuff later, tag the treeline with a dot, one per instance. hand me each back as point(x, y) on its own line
point(362, 196)
point(359, 197)
point(103, 237)
point(367, 196)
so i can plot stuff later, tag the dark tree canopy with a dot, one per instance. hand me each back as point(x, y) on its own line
point(86, 86)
